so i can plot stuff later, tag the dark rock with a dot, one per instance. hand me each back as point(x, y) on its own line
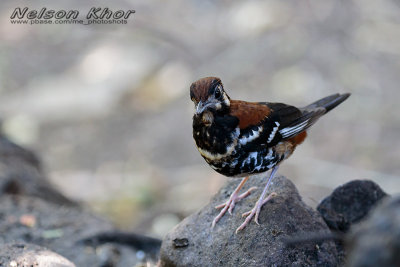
point(376, 240)
point(283, 217)
point(11, 152)
point(350, 203)
point(62, 229)
point(23, 254)
point(21, 174)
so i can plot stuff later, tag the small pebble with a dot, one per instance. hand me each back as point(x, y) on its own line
point(140, 255)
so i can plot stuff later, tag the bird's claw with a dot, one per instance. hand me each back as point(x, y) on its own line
point(254, 212)
point(229, 205)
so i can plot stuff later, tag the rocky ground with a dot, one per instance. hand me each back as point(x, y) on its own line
point(41, 227)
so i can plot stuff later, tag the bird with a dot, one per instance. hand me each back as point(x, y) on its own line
point(240, 139)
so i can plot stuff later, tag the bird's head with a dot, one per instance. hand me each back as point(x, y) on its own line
point(208, 94)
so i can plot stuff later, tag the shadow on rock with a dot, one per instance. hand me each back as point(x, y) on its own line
point(376, 241)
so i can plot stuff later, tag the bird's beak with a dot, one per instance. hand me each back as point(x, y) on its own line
point(200, 107)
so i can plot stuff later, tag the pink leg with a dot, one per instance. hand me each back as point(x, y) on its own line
point(255, 212)
point(230, 204)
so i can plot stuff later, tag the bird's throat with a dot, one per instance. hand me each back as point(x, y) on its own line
point(207, 118)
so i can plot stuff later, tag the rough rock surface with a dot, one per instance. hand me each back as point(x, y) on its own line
point(376, 241)
point(350, 203)
point(194, 243)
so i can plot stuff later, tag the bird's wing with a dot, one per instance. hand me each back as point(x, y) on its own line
point(270, 123)
point(294, 121)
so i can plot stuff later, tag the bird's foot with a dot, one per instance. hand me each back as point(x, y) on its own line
point(230, 204)
point(255, 212)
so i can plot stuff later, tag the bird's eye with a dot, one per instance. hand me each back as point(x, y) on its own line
point(217, 93)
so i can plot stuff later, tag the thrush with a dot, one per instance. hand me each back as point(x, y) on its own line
point(240, 139)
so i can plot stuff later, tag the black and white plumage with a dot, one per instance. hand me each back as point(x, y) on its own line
point(239, 139)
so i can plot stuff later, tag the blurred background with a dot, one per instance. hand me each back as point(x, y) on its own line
point(107, 106)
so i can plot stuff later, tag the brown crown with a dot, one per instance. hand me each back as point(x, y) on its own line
point(199, 90)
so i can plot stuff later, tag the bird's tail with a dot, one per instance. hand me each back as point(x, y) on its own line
point(311, 113)
point(328, 103)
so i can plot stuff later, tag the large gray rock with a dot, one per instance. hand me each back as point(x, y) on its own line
point(194, 243)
